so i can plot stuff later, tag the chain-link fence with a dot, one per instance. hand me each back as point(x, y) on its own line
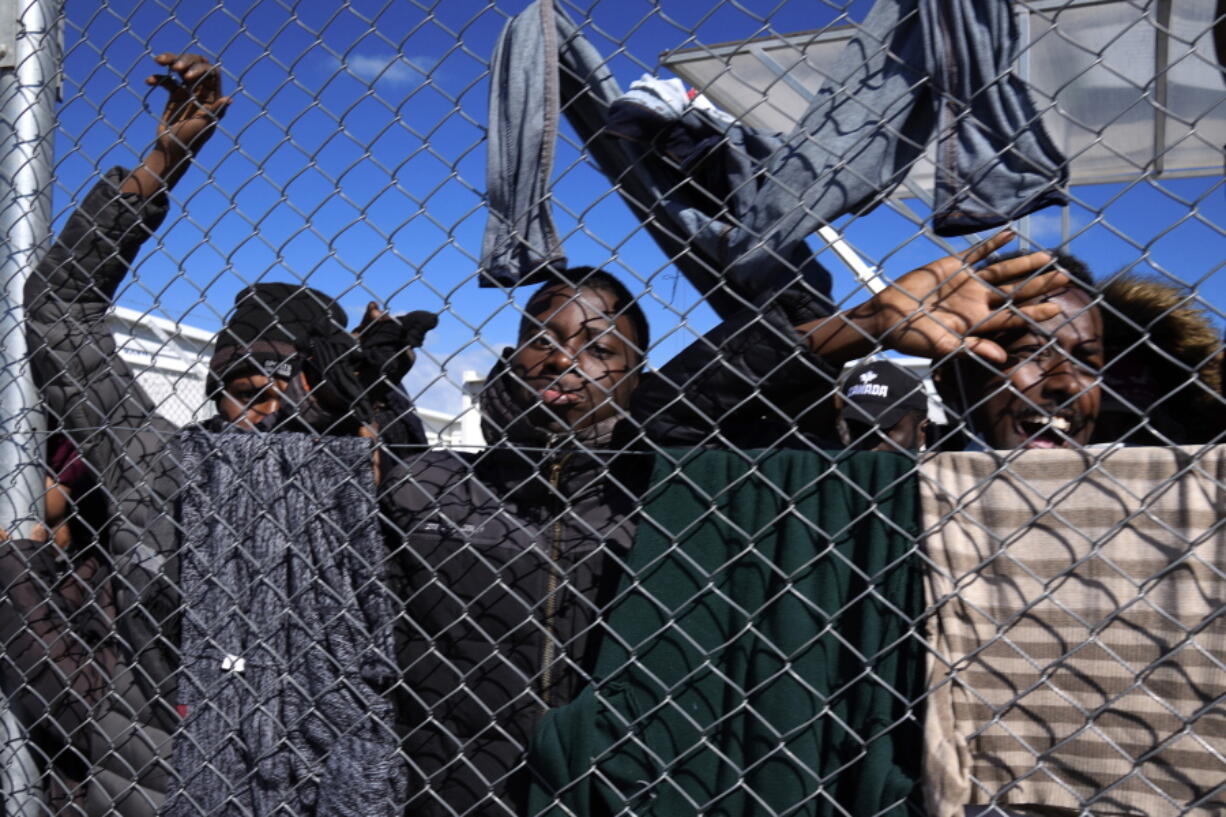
point(780, 497)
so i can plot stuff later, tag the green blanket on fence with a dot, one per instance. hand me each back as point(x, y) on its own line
point(763, 655)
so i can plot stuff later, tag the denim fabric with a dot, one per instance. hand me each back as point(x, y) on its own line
point(520, 242)
point(520, 239)
point(916, 70)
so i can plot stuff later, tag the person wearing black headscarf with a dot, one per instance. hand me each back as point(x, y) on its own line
point(284, 361)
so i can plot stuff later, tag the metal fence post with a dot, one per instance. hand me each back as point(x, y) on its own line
point(30, 58)
point(29, 79)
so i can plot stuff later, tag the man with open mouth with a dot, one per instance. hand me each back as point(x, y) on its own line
point(1047, 395)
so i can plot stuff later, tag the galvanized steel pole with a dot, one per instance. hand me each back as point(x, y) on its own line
point(30, 57)
point(29, 79)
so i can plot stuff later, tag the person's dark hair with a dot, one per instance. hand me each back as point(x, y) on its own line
point(1163, 367)
point(624, 303)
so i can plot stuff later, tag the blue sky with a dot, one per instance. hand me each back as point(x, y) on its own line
point(353, 159)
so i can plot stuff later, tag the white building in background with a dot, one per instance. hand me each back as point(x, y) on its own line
point(461, 430)
point(470, 408)
point(170, 361)
point(443, 430)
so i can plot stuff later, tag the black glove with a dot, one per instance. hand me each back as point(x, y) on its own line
point(415, 325)
point(387, 344)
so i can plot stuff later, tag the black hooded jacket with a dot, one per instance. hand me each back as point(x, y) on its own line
point(118, 631)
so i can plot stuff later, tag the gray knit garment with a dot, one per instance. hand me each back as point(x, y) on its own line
point(287, 650)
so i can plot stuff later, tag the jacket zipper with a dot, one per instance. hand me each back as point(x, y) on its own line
point(548, 650)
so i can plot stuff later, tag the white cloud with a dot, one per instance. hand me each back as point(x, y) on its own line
point(435, 382)
point(1047, 226)
point(394, 69)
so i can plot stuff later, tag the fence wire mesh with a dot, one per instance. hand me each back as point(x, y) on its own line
point(504, 408)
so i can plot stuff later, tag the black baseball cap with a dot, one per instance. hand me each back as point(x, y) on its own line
point(881, 393)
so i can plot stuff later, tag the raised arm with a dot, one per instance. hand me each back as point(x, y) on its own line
point(193, 108)
point(747, 380)
point(88, 389)
point(389, 343)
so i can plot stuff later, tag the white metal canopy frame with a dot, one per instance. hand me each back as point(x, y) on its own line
point(1128, 89)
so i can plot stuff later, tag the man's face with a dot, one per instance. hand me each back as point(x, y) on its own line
point(247, 400)
point(905, 435)
point(1048, 395)
point(576, 362)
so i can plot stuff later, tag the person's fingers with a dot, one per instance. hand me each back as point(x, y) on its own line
point(944, 269)
point(218, 108)
point(1004, 271)
point(196, 72)
point(200, 72)
point(986, 349)
point(163, 81)
point(166, 58)
point(192, 63)
point(1021, 317)
point(985, 248)
point(1043, 284)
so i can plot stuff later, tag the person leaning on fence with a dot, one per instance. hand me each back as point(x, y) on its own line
point(1047, 394)
point(509, 554)
point(753, 380)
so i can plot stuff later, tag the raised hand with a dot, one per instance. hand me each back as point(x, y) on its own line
point(943, 307)
point(948, 305)
point(195, 103)
point(194, 107)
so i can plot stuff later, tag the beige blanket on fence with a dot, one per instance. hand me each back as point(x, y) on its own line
point(1079, 633)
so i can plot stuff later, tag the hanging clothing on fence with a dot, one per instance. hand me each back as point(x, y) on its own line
point(1079, 639)
point(287, 652)
point(735, 679)
point(916, 70)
